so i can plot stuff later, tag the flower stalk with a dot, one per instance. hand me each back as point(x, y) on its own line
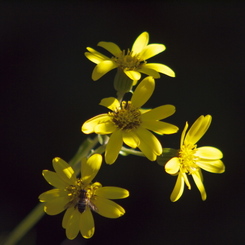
point(25, 225)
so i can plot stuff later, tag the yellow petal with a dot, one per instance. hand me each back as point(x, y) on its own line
point(159, 68)
point(213, 166)
point(86, 224)
point(172, 166)
point(95, 56)
point(198, 129)
point(102, 68)
point(111, 192)
point(149, 72)
point(130, 139)
point(147, 151)
point(159, 113)
point(68, 213)
point(152, 50)
point(111, 47)
point(105, 128)
point(140, 42)
point(111, 103)
point(108, 208)
point(200, 174)
point(183, 134)
point(143, 92)
point(51, 195)
point(113, 147)
point(64, 170)
point(178, 189)
point(149, 144)
point(160, 127)
point(133, 75)
point(186, 180)
point(54, 179)
point(209, 153)
point(89, 126)
point(90, 168)
point(147, 137)
point(72, 227)
point(197, 178)
point(56, 206)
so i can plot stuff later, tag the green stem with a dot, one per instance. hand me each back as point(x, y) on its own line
point(25, 225)
point(83, 151)
point(126, 151)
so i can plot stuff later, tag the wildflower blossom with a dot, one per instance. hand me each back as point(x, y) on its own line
point(132, 62)
point(78, 196)
point(128, 123)
point(192, 159)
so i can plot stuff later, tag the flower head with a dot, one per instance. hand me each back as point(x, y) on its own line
point(128, 123)
point(132, 62)
point(78, 196)
point(191, 159)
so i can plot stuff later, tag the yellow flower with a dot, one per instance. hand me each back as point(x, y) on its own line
point(78, 196)
point(129, 124)
point(192, 159)
point(131, 62)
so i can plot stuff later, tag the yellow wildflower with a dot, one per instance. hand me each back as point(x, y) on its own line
point(129, 124)
point(192, 159)
point(78, 196)
point(132, 62)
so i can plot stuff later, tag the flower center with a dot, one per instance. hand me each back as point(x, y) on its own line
point(128, 60)
point(188, 159)
point(81, 196)
point(127, 117)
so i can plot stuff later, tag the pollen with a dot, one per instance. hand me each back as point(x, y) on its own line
point(188, 159)
point(128, 60)
point(73, 192)
point(127, 117)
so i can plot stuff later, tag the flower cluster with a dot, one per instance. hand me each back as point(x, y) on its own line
point(127, 128)
point(78, 196)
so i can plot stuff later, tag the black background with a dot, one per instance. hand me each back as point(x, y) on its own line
point(47, 93)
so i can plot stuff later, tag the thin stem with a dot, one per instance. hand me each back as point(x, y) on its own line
point(83, 151)
point(25, 225)
point(126, 151)
point(120, 96)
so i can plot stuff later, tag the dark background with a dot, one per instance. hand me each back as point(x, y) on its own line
point(47, 93)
